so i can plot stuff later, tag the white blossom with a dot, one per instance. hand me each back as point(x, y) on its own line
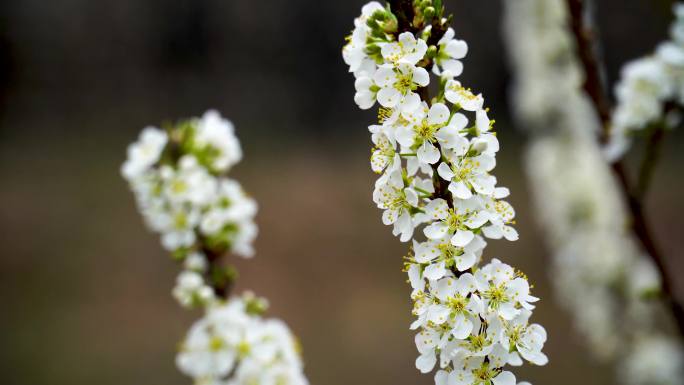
point(397, 84)
point(654, 361)
point(191, 289)
point(145, 152)
point(185, 197)
point(217, 135)
point(435, 158)
point(450, 51)
point(646, 86)
point(462, 97)
point(233, 338)
point(178, 178)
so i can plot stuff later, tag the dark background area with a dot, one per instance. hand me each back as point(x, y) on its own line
point(86, 289)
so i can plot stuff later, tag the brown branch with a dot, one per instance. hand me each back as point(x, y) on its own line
point(403, 10)
point(593, 82)
point(220, 277)
point(655, 144)
point(595, 89)
point(656, 134)
point(641, 231)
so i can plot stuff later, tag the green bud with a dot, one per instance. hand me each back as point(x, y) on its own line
point(372, 23)
point(438, 5)
point(391, 25)
point(255, 305)
point(417, 20)
point(222, 276)
point(180, 254)
point(428, 14)
point(650, 294)
point(432, 52)
point(373, 50)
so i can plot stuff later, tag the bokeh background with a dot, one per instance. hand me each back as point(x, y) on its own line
point(85, 289)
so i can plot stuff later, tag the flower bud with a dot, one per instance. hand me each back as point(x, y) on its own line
point(428, 14)
point(431, 52)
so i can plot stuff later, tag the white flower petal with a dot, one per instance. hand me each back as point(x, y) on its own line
point(428, 153)
point(439, 113)
point(426, 362)
point(504, 378)
point(421, 76)
point(460, 190)
point(436, 230)
point(445, 171)
point(462, 238)
point(389, 97)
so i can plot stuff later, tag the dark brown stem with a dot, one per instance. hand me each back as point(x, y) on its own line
point(216, 273)
point(594, 87)
point(586, 50)
point(403, 10)
point(641, 231)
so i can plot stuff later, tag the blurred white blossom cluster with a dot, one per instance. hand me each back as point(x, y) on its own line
point(234, 345)
point(178, 176)
point(650, 91)
point(597, 269)
point(546, 70)
point(600, 276)
point(435, 157)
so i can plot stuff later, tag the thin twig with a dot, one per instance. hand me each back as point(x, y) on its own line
point(216, 276)
point(651, 157)
point(586, 50)
point(642, 232)
point(594, 87)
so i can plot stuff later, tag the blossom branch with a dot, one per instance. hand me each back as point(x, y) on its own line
point(594, 87)
point(436, 190)
point(179, 177)
point(407, 14)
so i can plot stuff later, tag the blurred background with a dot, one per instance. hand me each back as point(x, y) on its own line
point(85, 288)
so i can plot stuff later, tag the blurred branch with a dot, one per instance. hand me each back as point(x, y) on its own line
point(594, 87)
point(586, 50)
point(642, 232)
point(219, 276)
point(653, 148)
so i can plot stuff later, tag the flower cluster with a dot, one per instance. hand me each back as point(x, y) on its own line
point(547, 71)
point(598, 272)
point(234, 345)
point(435, 157)
point(178, 177)
point(654, 360)
point(650, 91)
point(607, 286)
